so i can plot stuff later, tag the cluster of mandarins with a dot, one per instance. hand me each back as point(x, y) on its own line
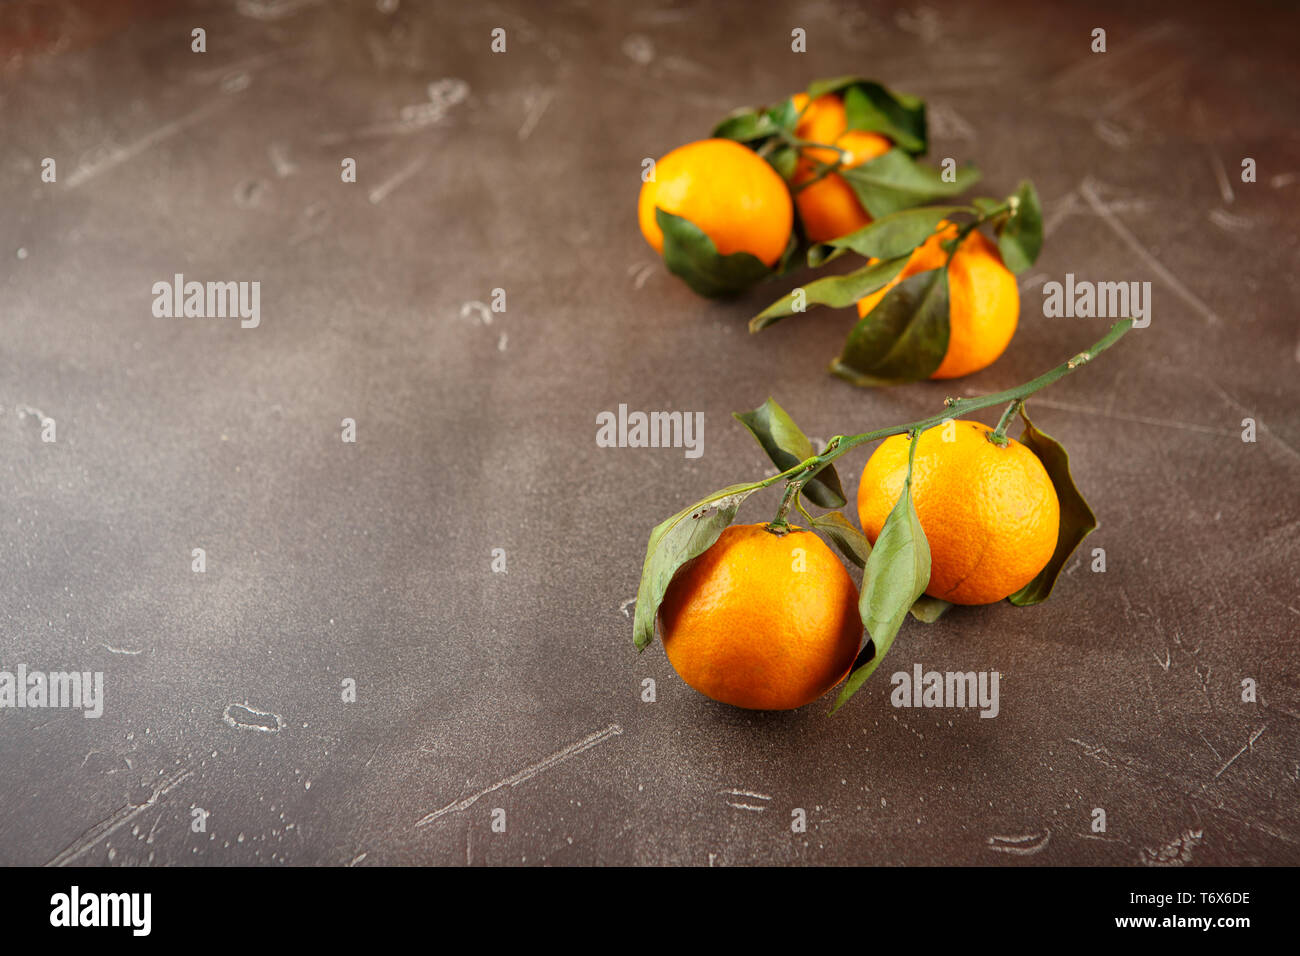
point(767, 617)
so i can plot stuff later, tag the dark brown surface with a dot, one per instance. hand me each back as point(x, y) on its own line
point(372, 561)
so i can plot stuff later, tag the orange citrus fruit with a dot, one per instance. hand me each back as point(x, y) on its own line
point(730, 192)
point(989, 512)
point(828, 207)
point(761, 620)
point(983, 299)
point(823, 120)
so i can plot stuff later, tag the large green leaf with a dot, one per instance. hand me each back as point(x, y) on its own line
point(855, 546)
point(835, 291)
point(684, 536)
point(852, 543)
point(896, 574)
point(692, 256)
point(894, 181)
point(748, 124)
point(1077, 519)
point(787, 445)
point(904, 338)
point(887, 237)
point(1021, 237)
point(872, 107)
point(744, 125)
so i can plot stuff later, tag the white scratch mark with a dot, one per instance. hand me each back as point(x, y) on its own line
point(311, 222)
point(925, 23)
point(625, 605)
point(1136, 419)
point(1088, 190)
point(357, 859)
point(745, 806)
point(380, 192)
point(532, 770)
point(947, 123)
point(641, 271)
point(535, 104)
point(23, 411)
point(241, 721)
point(1136, 91)
point(1063, 208)
point(279, 154)
point(119, 650)
point(1210, 745)
point(747, 793)
point(1023, 845)
point(638, 48)
point(477, 309)
point(121, 154)
point(1228, 222)
point(1262, 427)
point(273, 9)
point(1111, 133)
point(107, 827)
point(1247, 746)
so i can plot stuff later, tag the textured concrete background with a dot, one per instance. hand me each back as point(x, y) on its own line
point(521, 690)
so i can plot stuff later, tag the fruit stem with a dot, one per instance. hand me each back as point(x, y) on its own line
point(779, 525)
point(999, 435)
point(800, 474)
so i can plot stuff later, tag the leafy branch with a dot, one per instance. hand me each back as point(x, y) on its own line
point(897, 569)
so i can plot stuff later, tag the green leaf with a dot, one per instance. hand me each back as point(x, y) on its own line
point(1077, 519)
point(684, 536)
point(904, 338)
point(835, 291)
point(896, 574)
point(783, 114)
point(852, 543)
point(784, 160)
point(889, 236)
point(1021, 237)
point(872, 107)
point(786, 445)
point(894, 181)
point(745, 124)
point(692, 256)
point(927, 609)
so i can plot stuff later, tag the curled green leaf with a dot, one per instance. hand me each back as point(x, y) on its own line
point(904, 338)
point(692, 256)
point(835, 291)
point(1020, 237)
point(684, 536)
point(851, 542)
point(894, 181)
point(1077, 518)
point(787, 445)
point(887, 237)
point(896, 574)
